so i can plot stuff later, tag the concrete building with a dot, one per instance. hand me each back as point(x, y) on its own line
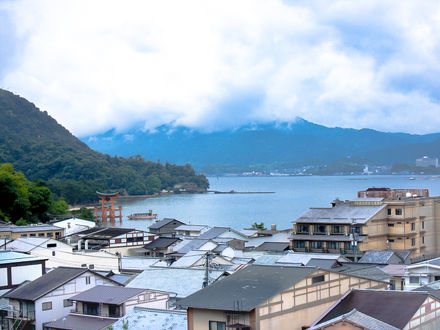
point(269, 297)
point(351, 227)
point(11, 231)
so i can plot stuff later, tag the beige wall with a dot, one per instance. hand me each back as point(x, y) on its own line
point(295, 307)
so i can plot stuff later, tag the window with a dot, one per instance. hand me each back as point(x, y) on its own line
point(299, 244)
point(135, 239)
point(423, 224)
point(53, 253)
point(316, 245)
point(398, 211)
point(413, 226)
point(391, 225)
point(57, 234)
point(319, 229)
point(91, 266)
point(51, 245)
point(88, 279)
point(414, 279)
point(423, 239)
point(334, 245)
point(337, 229)
point(318, 279)
point(23, 235)
point(413, 242)
point(67, 303)
point(49, 235)
point(390, 240)
point(32, 235)
point(90, 308)
point(216, 325)
point(389, 211)
point(41, 235)
point(303, 228)
point(357, 229)
point(46, 306)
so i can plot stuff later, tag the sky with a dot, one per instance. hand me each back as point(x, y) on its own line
point(210, 65)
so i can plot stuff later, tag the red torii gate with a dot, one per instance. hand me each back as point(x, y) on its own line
point(107, 211)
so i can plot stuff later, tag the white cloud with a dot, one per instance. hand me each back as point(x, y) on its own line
point(98, 65)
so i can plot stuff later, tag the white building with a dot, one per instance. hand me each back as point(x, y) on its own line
point(74, 225)
point(46, 298)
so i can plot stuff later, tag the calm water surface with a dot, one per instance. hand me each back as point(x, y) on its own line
point(293, 195)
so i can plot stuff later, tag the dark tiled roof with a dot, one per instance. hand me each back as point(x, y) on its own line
point(273, 246)
point(393, 307)
point(107, 294)
point(380, 257)
point(250, 286)
point(45, 284)
point(103, 232)
point(323, 263)
point(164, 222)
point(161, 243)
point(80, 322)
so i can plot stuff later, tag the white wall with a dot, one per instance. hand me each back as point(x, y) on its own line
point(25, 273)
point(66, 291)
point(3, 276)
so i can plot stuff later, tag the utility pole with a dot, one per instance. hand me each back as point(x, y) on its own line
point(354, 239)
point(207, 261)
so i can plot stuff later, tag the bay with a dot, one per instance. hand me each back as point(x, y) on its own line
point(292, 196)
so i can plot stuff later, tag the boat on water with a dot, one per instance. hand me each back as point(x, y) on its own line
point(143, 216)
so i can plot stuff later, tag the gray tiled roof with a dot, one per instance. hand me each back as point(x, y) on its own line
point(81, 322)
point(107, 294)
point(273, 246)
point(340, 213)
point(358, 318)
point(163, 222)
point(392, 307)
point(380, 257)
point(249, 286)
point(46, 283)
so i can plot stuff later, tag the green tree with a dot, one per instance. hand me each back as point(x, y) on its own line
point(258, 226)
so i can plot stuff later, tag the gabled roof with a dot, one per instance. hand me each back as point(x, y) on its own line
point(273, 246)
point(161, 243)
point(192, 227)
point(187, 245)
point(250, 286)
point(27, 244)
point(47, 283)
point(164, 222)
point(7, 257)
point(214, 232)
point(393, 307)
point(385, 256)
point(356, 318)
point(107, 294)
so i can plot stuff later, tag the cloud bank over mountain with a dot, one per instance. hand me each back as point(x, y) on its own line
point(209, 65)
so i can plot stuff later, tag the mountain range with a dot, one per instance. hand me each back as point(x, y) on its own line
point(300, 142)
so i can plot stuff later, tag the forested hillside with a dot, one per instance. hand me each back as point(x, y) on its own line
point(42, 149)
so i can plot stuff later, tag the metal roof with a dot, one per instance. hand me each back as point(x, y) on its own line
point(80, 322)
point(188, 245)
point(7, 257)
point(192, 227)
point(45, 284)
point(183, 282)
point(213, 232)
point(106, 294)
point(393, 307)
point(340, 213)
point(153, 319)
point(250, 287)
point(19, 229)
point(103, 232)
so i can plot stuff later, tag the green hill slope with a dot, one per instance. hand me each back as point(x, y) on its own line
point(42, 149)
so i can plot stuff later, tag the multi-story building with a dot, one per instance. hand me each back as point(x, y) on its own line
point(353, 226)
point(425, 161)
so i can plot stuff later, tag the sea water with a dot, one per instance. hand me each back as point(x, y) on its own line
point(291, 196)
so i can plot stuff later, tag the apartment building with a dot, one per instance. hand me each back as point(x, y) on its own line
point(402, 221)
